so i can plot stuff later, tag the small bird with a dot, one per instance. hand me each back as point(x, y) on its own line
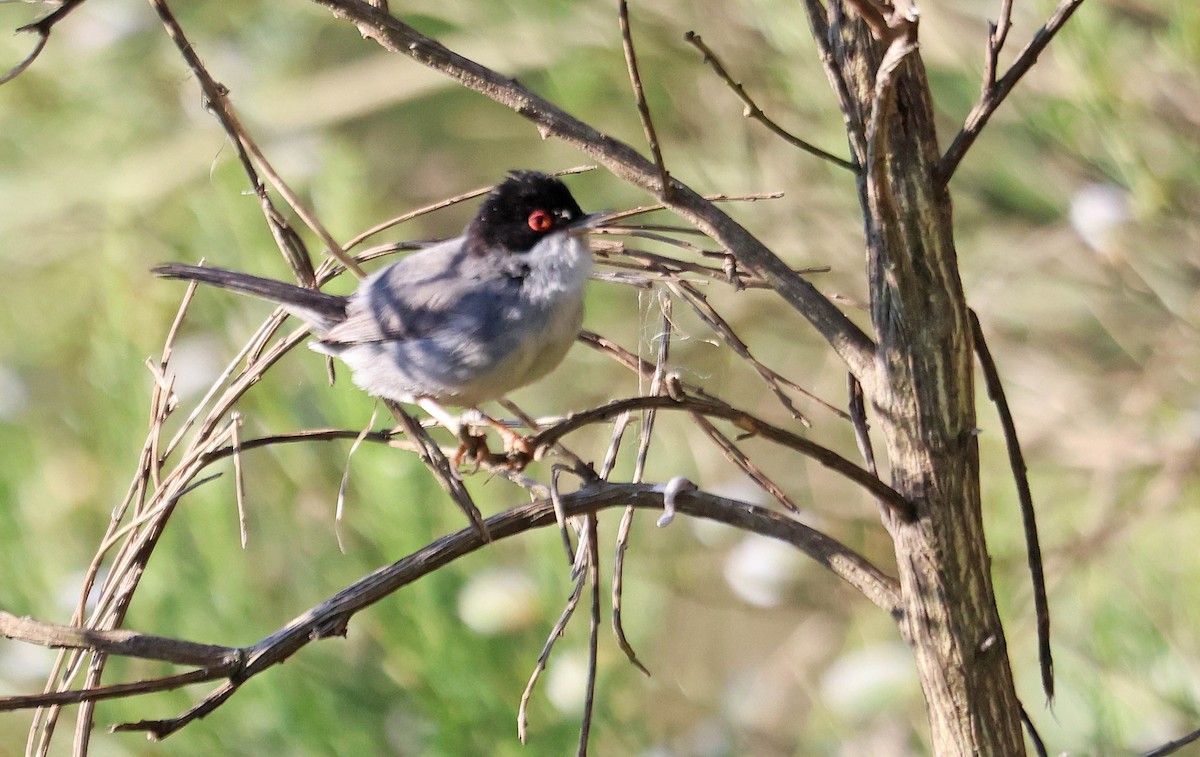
point(462, 322)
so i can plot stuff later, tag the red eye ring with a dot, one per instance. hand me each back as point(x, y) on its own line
point(540, 220)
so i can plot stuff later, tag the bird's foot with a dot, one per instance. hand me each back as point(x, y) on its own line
point(472, 449)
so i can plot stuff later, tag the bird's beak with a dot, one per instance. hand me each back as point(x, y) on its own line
point(588, 221)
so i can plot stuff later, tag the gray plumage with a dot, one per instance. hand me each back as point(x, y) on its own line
point(465, 321)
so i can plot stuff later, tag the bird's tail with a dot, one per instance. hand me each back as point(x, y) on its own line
point(319, 309)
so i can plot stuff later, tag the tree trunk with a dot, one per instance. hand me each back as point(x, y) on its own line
point(924, 398)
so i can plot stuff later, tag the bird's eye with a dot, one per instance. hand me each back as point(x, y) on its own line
point(540, 220)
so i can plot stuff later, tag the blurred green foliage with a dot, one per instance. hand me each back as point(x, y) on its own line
point(1077, 232)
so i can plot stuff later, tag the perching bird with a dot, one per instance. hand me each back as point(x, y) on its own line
point(459, 323)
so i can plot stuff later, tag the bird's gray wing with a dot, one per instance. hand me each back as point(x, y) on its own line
point(426, 294)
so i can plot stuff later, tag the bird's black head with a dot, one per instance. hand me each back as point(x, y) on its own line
point(520, 211)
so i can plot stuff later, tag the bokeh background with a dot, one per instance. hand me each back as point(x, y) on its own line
point(1080, 249)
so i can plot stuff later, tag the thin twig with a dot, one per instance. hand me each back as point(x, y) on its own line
point(625, 528)
point(1039, 746)
point(217, 99)
point(993, 96)
point(433, 458)
point(751, 109)
point(593, 577)
point(739, 458)
point(440, 205)
point(1041, 604)
point(555, 633)
point(42, 27)
point(639, 93)
point(997, 35)
point(1171, 747)
point(239, 483)
point(750, 424)
point(721, 327)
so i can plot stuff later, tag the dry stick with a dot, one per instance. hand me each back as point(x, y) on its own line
point(130, 561)
point(849, 341)
point(559, 626)
point(269, 327)
point(162, 403)
point(639, 94)
point(654, 263)
point(862, 434)
point(734, 455)
point(625, 528)
point(589, 702)
point(855, 131)
point(330, 617)
point(57, 699)
point(1038, 745)
point(751, 109)
point(43, 26)
point(217, 98)
point(997, 35)
point(120, 642)
point(1171, 747)
point(1016, 460)
point(721, 327)
point(858, 418)
point(433, 458)
point(239, 483)
point(643, 209)
point(992, 96)
point(710, 406)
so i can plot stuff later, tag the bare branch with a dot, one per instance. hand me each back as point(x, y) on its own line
point(217, 97)
point(1172, 747)
point(1041, 604)
point(997, 35)
point(439, 205)
point(742, 461)
point(330, 617)
point(42, 27)
point(639, 93)
point(753, 111)
point(992, 96)
point(593, 577)
point(555, 633)
point(433, 458)
point(710, 406)
point(118, 642)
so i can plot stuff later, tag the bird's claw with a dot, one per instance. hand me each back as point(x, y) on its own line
point(518, 451)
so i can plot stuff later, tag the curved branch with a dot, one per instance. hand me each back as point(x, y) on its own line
point(750, 424)
point(852, 345)
point(330, 617)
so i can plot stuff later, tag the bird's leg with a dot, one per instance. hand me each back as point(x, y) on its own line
point(471, 446)
point(516, 447)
